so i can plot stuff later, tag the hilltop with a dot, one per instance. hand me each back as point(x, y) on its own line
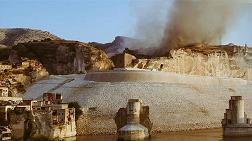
point(121, 43)
point(13, 36)
point(58, 56)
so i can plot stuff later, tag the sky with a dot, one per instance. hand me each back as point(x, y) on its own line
point(96, 20)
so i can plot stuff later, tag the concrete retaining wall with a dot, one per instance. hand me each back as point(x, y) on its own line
point(153, 76)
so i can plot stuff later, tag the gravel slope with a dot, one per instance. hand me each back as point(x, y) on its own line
point(173, 106)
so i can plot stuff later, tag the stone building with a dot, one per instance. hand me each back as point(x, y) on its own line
point(52, 98)
point(49, 118)
point(123, 60)
point(4, 91)
point(5, 67)
point(236, 122)
point(133, 122)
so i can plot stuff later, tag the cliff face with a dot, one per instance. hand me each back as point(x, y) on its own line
point(65, 57)
point(182, 62)
point(201, 59)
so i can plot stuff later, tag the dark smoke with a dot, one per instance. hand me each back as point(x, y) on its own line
point(186, 22)
point(198, 21)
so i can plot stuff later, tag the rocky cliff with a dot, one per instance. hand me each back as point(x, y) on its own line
point(201, 59)
point(182, 62)
point(65, 57)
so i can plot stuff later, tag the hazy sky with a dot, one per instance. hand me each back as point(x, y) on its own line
point(95, 20)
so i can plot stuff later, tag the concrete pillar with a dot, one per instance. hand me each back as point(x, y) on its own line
point(133, 111)
point(237, 107)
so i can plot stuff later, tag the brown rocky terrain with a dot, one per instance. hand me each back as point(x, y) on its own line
point(195, 59)
point(18, 77)
point(58, 57)
point(65, 57)
point(121, 43)
point(13, 36)
point(138, 49)
point(115, 47)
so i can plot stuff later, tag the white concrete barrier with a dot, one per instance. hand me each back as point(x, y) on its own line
point(150, 76)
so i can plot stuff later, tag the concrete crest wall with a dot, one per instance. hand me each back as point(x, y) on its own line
point(154, 76)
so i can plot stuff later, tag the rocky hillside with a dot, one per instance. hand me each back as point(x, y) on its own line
point(138, 48)
point(121, 43)
point(13, 36)
point(16, 78)
point(63, 57)
point(196, 59)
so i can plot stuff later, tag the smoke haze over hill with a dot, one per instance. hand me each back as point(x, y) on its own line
point(176, 23)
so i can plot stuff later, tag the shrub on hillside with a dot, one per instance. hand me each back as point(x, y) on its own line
point(78, 111)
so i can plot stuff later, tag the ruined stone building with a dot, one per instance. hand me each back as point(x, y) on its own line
point(123, 60)
point(236, 122)
point(5, 95)
point(4, 91)
point(49, 118)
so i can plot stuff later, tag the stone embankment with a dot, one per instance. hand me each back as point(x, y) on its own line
point(184, 102)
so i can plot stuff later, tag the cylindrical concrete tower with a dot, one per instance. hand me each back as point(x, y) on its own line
point(133, 130)
point(237, 107)
point(133, 111)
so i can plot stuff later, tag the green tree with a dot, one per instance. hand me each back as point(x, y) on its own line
point(78, 111)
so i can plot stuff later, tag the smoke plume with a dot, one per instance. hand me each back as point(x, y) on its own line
point(194, 21)
point(189, 21)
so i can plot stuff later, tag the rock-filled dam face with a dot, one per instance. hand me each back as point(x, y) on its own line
point(178, 102)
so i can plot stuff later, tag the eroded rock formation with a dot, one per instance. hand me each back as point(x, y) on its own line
point(187, 62)
point(66, 57)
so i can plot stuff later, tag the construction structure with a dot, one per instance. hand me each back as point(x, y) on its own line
point(236, 122)
point(133, 122)
point(123, 60)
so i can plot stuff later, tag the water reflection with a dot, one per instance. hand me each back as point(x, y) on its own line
point(202, 135)
point(238, 139)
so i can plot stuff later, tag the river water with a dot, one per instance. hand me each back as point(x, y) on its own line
point(200, 135)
